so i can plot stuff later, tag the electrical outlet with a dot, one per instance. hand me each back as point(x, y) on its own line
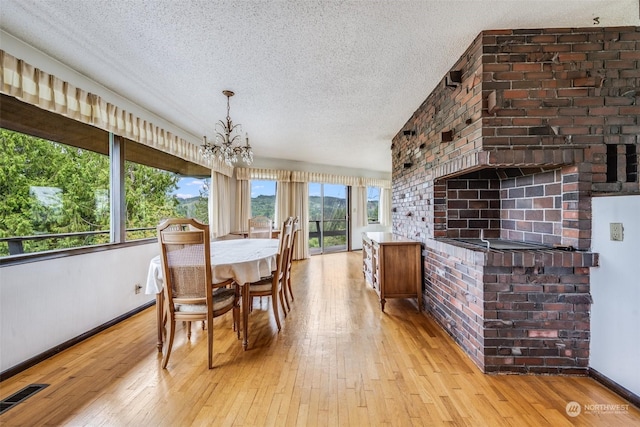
point(616, 231)
point(138, 288)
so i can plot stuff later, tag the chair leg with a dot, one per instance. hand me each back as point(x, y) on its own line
point(289, 287)
point(210, 337)
point(188, 326)
point(169, 346)
point(274, 298)
point(286, 300)
point(236, 312)
point(282, 298)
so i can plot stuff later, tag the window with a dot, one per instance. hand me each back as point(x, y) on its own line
point(193, 197)
point(153, 194)
point(263, 198)
point(373, 203)
point(55, 185)
point(328, 225)
point(54, 196)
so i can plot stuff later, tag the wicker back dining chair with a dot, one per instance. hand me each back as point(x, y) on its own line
point(189, 294)
point(294, 234)
point(260, 227)
point(273, 285)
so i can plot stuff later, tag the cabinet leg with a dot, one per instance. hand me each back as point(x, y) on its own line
point(382, 301)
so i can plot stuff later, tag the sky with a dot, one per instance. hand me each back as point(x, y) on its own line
point(188, 187)
point(259, 188)
point(330, 190)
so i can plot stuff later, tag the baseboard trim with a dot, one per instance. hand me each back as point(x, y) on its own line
point(70, 343)
point(615, 387)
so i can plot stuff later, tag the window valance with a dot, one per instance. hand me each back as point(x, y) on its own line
point(375, 182)
point(34, 86)
point(245, 174)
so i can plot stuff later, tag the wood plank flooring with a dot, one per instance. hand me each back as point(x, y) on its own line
point(337, 361)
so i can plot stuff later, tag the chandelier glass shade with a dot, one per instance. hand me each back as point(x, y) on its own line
point(227, 147)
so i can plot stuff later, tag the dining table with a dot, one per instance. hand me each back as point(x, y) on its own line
point(243, 260)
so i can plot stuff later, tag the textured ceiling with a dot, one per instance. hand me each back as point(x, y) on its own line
point(327, 82)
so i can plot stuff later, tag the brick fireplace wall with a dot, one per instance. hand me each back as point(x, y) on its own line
point(528, 126)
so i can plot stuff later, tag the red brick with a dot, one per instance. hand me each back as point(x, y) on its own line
point(527, 66)
point(630, 36)
point(587, 102)
point(573, 92)
point(629, 74)
point(556, 48)
point(542, 75)
point(572, 57)
point(547, 38)
point(510, 94)
point(582, 47)
point(607, 54)
point(541, 333)
point(572, 38)
point(628, 64)
point(631, 110)
point(633, 130)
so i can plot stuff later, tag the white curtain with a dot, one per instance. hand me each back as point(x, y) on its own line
point(360, 217)
point(284, 202)
point(220, 205)
point(384, 208)
point(243, 204)
point(300, 205)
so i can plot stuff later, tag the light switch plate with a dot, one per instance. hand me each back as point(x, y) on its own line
point(616, 231)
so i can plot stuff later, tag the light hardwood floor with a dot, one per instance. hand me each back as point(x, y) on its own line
point(337, 361)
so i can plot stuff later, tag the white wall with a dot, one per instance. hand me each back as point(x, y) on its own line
point(356, 232)
point(615, 288)
point(45, 303)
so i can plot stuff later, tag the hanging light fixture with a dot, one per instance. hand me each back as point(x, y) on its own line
point(226, 148)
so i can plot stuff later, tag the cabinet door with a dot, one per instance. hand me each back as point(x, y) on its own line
point(400, 270)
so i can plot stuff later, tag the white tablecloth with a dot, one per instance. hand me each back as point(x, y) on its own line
point(245, 260)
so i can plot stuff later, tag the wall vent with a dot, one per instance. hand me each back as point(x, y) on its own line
point(20, 396)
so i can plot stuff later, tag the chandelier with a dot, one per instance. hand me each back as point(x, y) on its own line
point(227, 147)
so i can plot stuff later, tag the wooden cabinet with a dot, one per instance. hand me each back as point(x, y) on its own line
point(392, 265)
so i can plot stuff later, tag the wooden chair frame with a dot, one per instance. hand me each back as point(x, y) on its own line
point(185, 233)
point(273, 286)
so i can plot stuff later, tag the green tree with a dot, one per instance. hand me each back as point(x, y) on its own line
point(52, 188)
point(263, 205)
point(148, 197)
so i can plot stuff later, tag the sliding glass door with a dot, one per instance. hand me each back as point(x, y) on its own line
point(328, 221)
